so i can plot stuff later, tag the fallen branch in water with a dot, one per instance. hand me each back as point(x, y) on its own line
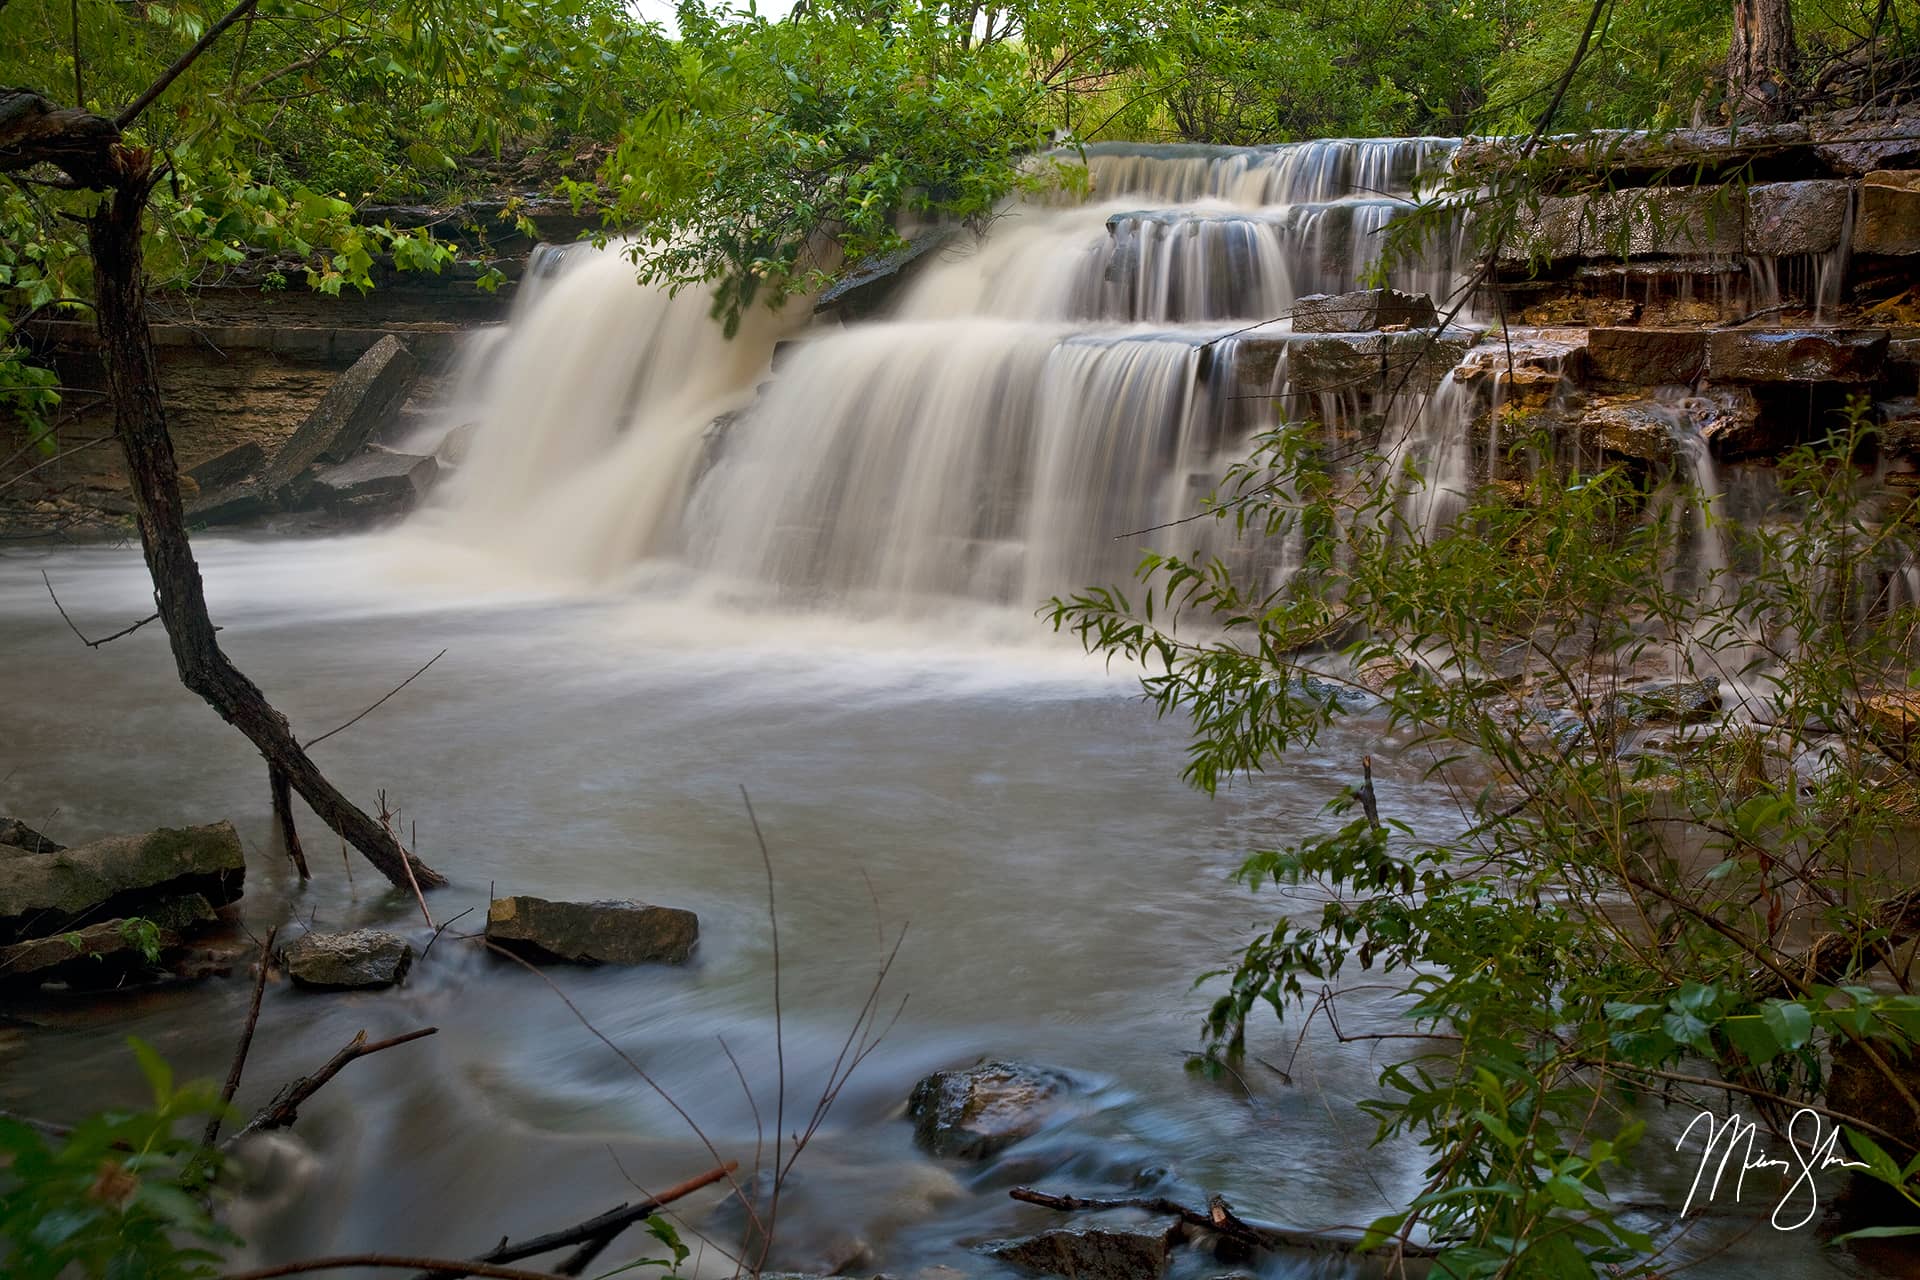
point(285, 1107)
point(246, 1042)
point(593, 1235)
point(1220, 1219)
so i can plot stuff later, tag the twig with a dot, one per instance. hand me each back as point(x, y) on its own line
point(91, 644)
point(442, 929)
point(779, 1040)
point(285, 1107)
point(432, 1266)
point(282, 791)
point(314, 742)
point(599, 1230)
point(67, 453)
point(212, 1133)
point(1220, 1218)
point(47, 1127)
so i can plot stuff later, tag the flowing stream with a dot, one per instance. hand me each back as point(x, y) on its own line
point(666, 573)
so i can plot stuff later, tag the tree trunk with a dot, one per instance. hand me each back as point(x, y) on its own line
point(113, 235)
point(1760, 61)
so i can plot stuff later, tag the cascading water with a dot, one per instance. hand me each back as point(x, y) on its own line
point(1084, 371)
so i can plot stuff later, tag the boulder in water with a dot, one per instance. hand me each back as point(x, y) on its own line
point(1095, 1252)
point(591, 932)
point(1673, 702)
point(1363, 311)
point(362, 959)
point(46, 893)
point(1853, 356)
point(109, 952)
point(978, 1111)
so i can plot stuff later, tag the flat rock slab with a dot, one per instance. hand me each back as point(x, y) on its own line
point(1851, 356)
point(363, 959)
point(375, 483)
point(1648, 357)
point(979, 1111)
point(1363, 311)
point(46, 893)
point(108, 952)
point(619, 932)
point(355, 406)
point(237, 465)
point(1094, 1252)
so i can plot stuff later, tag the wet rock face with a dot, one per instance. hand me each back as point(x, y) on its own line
point(45, 893)
point(110, 952)
point(1672, 702)
point(1889, 221)
point(17, 835)
point(362, 959)
point(979, 1111)
point(1648, 357)
point(1363, 311)
point(1642, 430)
point(592, 932)
point(375, 483)
point(1803, 355)
point(1094, 1252)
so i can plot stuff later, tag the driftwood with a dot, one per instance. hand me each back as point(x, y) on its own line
point(1221, 1220)
point(592, 1236)
point(286, 1104)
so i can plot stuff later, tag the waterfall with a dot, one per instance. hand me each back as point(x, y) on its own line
point(1085, 371)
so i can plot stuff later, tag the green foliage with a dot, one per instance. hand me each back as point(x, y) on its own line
point(122, 1196)
point(783, 149)
point(1606, 921)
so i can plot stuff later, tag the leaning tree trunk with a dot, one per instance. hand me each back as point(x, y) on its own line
point(114, 236)
point(1760, 60)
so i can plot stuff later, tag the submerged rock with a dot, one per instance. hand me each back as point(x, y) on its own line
point(45, 893)
point(1363, 311)
point(592, 932)
point(978, 1111)
point(358, 960)
point(1095, 1252)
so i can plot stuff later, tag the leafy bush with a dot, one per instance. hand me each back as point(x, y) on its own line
point(1610, 918)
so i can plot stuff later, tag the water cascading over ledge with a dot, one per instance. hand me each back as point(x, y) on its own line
point(1084, 371)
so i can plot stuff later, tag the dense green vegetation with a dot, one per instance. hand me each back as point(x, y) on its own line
point(1604, 926)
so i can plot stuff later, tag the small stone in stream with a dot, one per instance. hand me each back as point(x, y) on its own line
point(20, 836)
point(1094, 1253)
point(359, 960)
point(618, 932)
point(978, 1111)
